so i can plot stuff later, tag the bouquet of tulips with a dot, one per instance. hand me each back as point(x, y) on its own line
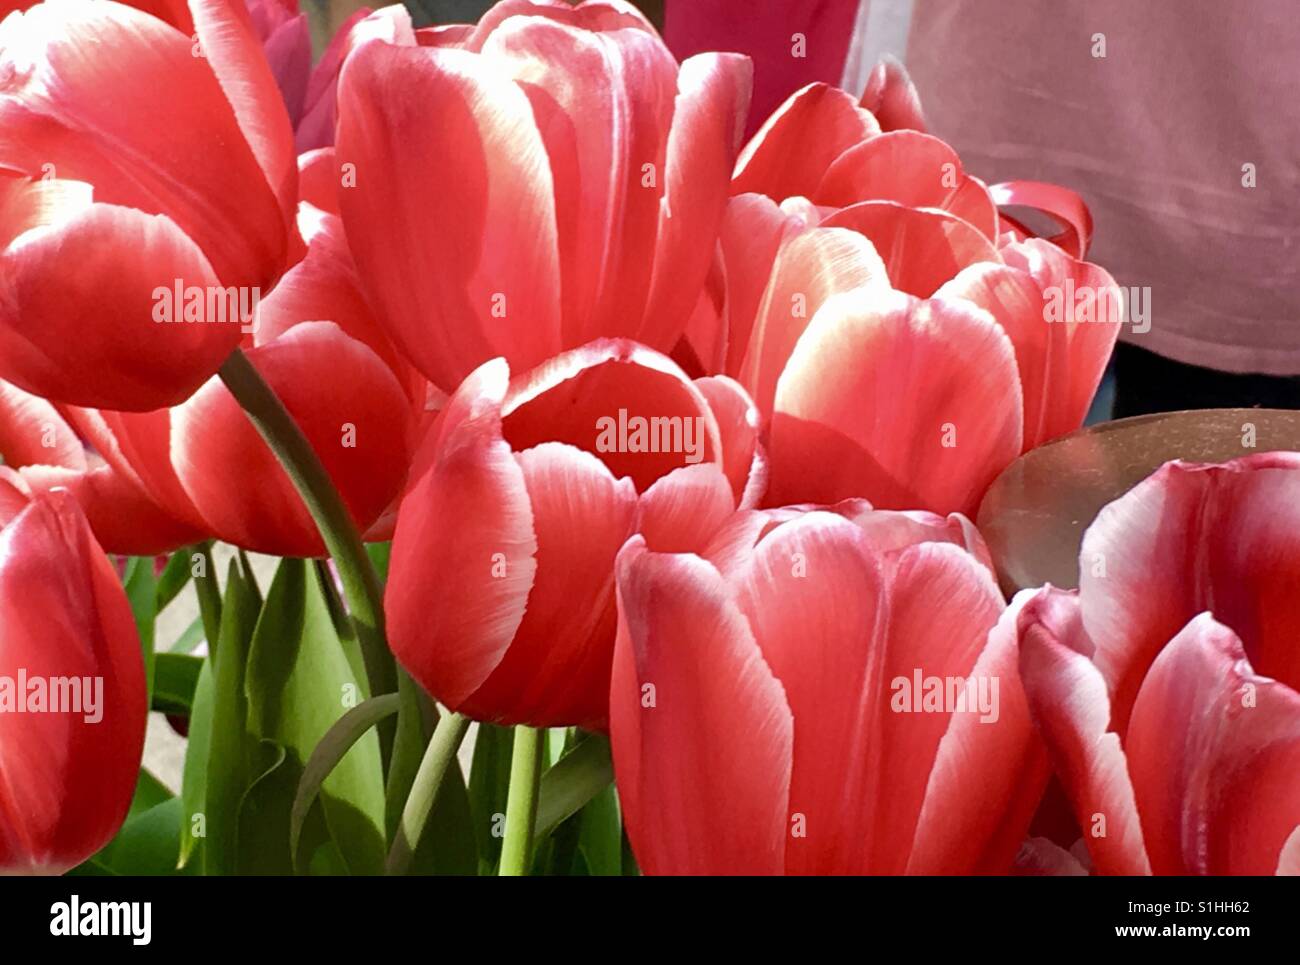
point(621, 473)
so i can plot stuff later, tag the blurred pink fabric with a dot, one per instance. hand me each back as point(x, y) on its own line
point(765, 29)
point(1154, 136)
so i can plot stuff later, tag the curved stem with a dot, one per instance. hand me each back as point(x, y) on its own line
point(438, 756)
point(360, 581)
point(521, 801)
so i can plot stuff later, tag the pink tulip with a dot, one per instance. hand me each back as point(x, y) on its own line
point(134, 159)
point(72, 687)
point(1167, 688)
point(895, 330)
point(763, 714)
point(500, 600)
point(547, 178)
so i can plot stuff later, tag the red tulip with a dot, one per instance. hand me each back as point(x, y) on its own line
point(72, 688)
point(500, 600)
point(48, 453)
point(765, 713)
point(136, 162)
point(1167, 688)
point(356, 402)
point(550, 178)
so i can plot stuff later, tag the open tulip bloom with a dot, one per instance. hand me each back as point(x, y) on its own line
point(620, 467)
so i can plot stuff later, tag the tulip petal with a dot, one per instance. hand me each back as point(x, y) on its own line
point(461, 267)
point(682, 510)
point(708, 116)
point(738, 423)
point(66, 780)
point(891, 97)
point(232, 50)
point(1072, 709)
point(810, 267)
point(105, 94)
point(358, 424)
point(1214, 749)
point(837, 406)
point(922, 247)
point(1191, 538)
point(988, 775)
point(704, 791)
point(557, 667)
point(464, 553)
point(33, 431)
point(110, 333)
point(792, 150)
point(122, 517)
point(590, 397)
point(913, 169)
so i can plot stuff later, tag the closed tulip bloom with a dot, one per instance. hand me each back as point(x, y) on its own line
point(500, 600)
point(820, 692)
point(1167, 688)
point(547, 177)
point(72, 687)
point(136, 162)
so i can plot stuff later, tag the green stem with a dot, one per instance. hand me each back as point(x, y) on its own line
point(446, 740)
point(360, 581)
point(521, 801)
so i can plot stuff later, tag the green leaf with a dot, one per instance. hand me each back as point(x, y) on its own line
point(300, 681)
point(173, 578)
point(229, 767)
point(146, 844)
point(579, 776)
point(489, 784)
point(600, 838)
point(139, 585)
point(338, 740)
point(448, 845)
point(175, 678)
point(194, 775)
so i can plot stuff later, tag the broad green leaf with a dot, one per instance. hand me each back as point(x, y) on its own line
point(579, 776)
point(338, 740)
point(175, 678)
point(146, 844)
point(448, 845)
point(300, 680)
point(489, 784)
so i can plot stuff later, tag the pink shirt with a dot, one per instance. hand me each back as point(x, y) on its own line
point(1154, 135)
